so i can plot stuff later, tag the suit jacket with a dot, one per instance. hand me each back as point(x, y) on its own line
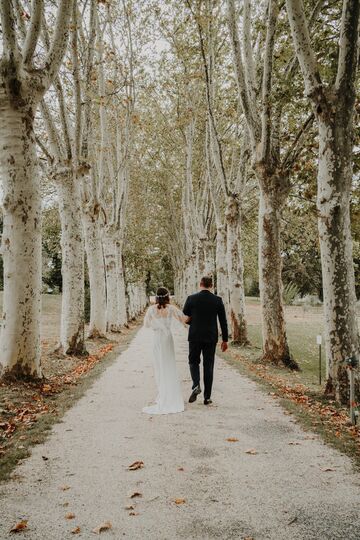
point(205, 308)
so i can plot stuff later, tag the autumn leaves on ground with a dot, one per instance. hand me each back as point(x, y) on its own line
point(28, 409)
point(109, 469)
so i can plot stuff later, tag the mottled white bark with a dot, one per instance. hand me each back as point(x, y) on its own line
point(235, 267)
point(221, 266)
point(275, 344)
point(21, 89)
point(72, 338)
point(121, 288)
point(21, 243)
point(112, 298)
point(96, 269)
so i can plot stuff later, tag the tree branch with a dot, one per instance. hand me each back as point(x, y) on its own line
point(59, 42)
point(293, 152)
point(77, 92)
point(304, 52)
point(348, 49)
point(251, 117)
point(248, 51)
point(267, 82)
point(33, 32)
point(7, 15)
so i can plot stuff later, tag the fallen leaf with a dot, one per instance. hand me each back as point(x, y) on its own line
point(294, 443)
point(19, 526)
point(293, 520)
point(70, 515)
point(76, 530)
point(232, 439)
point(130, 507)
point(64, 488)
point(65, 504)
point(101, 528)
point(251, 451)
point(136, 465)
point(328, 469)
point(181, 469)
point(136, 494)
point(45, 458)
point(180, 501)
point(133, 513)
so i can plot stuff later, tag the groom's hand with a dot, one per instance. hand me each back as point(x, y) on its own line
point(224, 346)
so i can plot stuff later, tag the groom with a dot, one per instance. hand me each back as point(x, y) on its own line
point(204, 309)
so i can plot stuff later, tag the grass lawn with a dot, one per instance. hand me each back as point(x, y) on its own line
point(50, 318)
point(303, 325)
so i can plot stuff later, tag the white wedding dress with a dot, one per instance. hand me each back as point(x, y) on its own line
point(169, 399)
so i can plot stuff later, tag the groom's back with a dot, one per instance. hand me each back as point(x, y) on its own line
point(204, 308)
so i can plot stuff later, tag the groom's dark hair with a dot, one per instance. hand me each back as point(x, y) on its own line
point(206, 282)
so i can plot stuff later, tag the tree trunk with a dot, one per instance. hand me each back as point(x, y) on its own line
point(209, 261)
point(95, 262)
point(72, 331)
point(275, 345)
point(21, 244)
point(221, 266)
point(333, 202)
point(236, 273)
point(121, 288)
point(112, 307)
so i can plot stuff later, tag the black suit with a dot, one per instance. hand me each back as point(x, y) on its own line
point(205, 309)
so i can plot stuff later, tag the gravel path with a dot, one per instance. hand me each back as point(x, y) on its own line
point(282, 491)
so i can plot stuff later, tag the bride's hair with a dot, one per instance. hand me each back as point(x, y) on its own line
point(162, 297)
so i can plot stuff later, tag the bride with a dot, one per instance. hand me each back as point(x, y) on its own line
point(159, 317)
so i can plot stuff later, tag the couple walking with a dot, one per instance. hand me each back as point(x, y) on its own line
point(201, 312)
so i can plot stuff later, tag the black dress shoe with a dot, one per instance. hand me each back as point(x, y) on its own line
point(207, 401)
point(194, 394)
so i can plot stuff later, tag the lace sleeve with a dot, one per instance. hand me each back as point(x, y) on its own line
point(148, 317)
point(178, 315)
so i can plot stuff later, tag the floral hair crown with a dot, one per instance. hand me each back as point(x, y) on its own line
point(162, 295)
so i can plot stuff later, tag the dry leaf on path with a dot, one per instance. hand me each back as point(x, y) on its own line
point(133, 513)
point(70, 515)
point(101, 528)
point(180, 501)
point(294, 443)
point(181, 469)
point(19, 526)
point(77, 530)
point(328, 469)
point(136, 465)
point(232, 439)
point(130, 507)
point(64, 488)
point(251, 451)
point(136, 494)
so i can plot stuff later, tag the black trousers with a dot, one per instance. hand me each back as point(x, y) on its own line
point(196, 348)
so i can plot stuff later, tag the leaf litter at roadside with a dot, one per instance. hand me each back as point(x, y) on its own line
point(102, 528)
point(323, 411)
point(136, 465)
point(24, 403)
point(20, 526)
